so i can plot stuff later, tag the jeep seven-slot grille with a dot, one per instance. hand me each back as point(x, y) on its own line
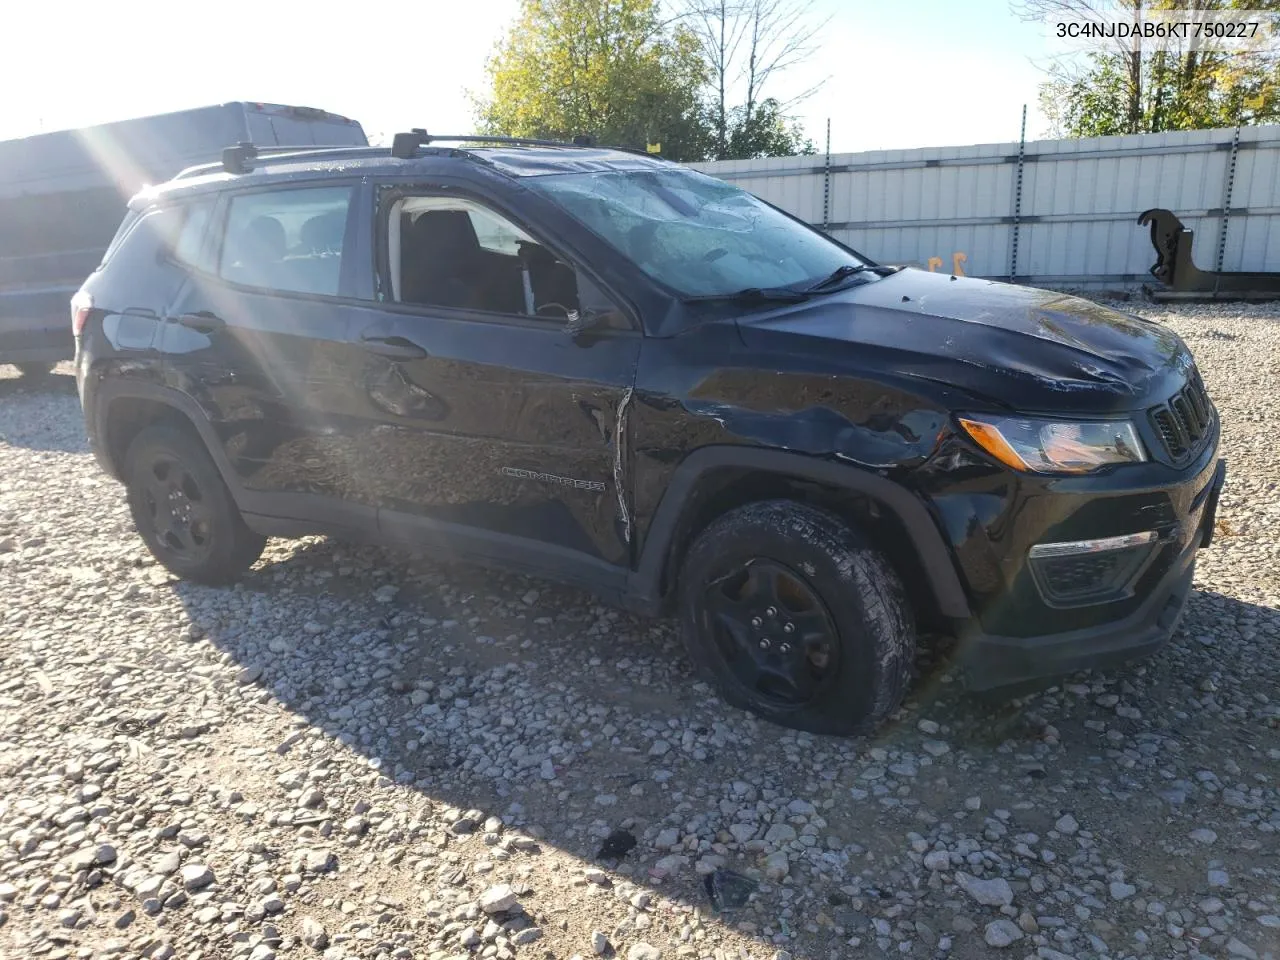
point(1183, 422)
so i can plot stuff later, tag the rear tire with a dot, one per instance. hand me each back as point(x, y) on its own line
point(792, 615)
point(34, 371)
point(182, 509)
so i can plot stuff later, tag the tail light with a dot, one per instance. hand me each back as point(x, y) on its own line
point(81, 305)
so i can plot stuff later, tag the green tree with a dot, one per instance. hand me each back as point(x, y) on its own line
point(612, 69)
point(1157, 84)
point(764, 132)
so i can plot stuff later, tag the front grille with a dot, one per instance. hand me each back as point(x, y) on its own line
point(1184, 421)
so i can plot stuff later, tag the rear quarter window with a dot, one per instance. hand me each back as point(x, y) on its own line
point(174, 231)
point(143, 270)
point(154, 233)
point(126, 225)
point(190, 246)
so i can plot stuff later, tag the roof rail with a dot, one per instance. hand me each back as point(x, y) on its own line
point(404, 145)
point(243, 157)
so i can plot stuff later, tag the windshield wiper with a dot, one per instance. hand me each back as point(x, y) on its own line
point(843, 272)
point(755, 294)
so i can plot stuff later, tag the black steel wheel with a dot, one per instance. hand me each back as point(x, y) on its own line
point(182, 508)
point(774, 632)
point(180, 515)
point(791, 614)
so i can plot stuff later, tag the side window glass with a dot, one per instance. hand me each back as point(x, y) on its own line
point(288, 240)
point(130, 221)
point(189, 247)
point(152, 234)
point(495, 234)
point(455, 253)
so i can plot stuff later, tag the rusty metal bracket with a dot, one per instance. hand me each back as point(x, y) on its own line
point(1175, 268)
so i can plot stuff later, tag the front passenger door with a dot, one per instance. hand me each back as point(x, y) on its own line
point(497, 430)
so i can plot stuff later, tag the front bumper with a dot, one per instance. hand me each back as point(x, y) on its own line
point(992, 661)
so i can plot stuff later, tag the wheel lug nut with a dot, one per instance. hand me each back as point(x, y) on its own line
point(788, 628)
point(756, 622)
point(764, 644)
point(785, 648)
point(772, 611)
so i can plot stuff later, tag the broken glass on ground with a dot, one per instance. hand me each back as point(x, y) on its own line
point(728, 890)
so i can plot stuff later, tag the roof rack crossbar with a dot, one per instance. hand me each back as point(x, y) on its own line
point(237, 159)
point(404, 145)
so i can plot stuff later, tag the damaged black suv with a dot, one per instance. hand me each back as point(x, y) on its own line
point(609, 369)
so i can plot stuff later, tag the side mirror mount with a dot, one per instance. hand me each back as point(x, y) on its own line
point(580, 322)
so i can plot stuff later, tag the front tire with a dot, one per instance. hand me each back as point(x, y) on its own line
point(793, 615)
point(183, 511)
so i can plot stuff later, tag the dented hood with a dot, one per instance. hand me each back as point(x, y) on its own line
point(1028, 349)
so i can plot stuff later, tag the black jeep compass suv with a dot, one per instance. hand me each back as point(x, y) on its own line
point(612, 370)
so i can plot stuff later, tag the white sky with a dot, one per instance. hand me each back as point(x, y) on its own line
point(933, 72)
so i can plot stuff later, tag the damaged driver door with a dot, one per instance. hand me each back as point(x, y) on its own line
point(499, 377)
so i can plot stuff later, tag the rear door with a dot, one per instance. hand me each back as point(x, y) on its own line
point(260, 339)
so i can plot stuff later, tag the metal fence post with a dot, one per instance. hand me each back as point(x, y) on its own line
point(1017, 199)
point(1226, 204)
point(826, 182)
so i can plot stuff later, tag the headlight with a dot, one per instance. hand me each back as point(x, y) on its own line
point(1047, 446)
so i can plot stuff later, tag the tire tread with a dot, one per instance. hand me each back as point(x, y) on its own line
point(875, 597)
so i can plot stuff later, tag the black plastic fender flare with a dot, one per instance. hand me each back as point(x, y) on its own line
point(106, 392)
point(910, 510)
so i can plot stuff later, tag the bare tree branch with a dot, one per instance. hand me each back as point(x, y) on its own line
point(747, 45)
point(782, 35)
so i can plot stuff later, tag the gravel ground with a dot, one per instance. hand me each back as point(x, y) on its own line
point(357, 753)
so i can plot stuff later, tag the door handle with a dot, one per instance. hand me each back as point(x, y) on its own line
point(395, 348)
point(204, 321)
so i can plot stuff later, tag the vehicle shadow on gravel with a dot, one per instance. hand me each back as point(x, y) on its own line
point(535, 702)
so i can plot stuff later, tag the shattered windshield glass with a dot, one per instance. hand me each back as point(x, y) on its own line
point(697, 235)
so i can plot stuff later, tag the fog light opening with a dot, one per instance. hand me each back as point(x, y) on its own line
point(1078, 572)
